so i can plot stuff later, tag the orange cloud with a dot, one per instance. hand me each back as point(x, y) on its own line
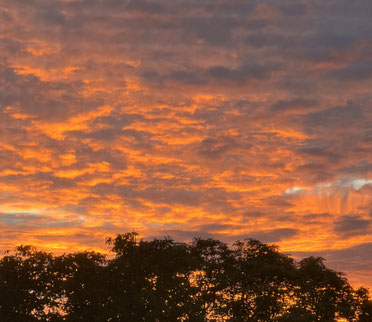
point(227, 119)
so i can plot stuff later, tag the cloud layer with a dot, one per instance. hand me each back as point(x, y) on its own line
point(188, 118)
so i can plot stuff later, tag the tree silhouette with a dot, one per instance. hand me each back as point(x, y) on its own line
point(29, 289)
point(150, 280)
point(163, 280)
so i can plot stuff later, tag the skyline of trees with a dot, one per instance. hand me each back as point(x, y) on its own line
point(164, 280)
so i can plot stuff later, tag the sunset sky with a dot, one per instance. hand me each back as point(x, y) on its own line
point(229, 119)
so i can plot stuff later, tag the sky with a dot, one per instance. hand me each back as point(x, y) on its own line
point(225, 119)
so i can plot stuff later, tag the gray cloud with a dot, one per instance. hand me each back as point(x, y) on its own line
point(294, 104)
point(25, 221)
point(335, 117)
point(356, 71)
point(349, 226)
point(274, 235)
point(181, 235)
point(356, 261)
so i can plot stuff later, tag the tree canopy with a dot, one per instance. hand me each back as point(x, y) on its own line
point(164, 280)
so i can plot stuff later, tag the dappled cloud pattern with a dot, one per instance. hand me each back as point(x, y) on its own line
point(231, 119)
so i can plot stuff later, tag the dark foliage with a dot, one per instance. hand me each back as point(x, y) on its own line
point(162, 280)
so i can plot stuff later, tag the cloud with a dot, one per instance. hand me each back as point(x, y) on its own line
point(350, 226)
point(241, 73)
point(356, 71)
point(294, 104)
point(182, 235)
point(355, 261)
point(213, 118)
point(275, 235)
point(216, 148)
point(25, 221)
